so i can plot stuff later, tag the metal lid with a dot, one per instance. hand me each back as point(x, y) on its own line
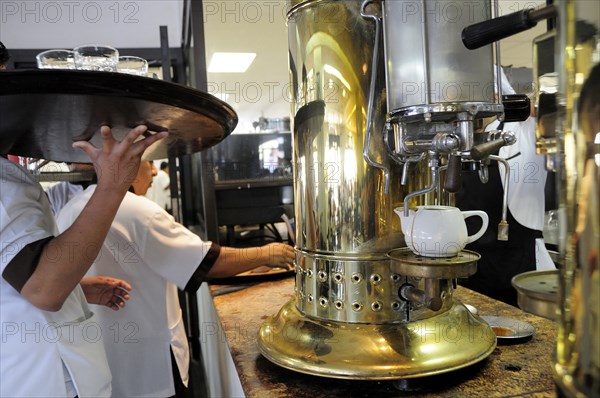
point(542, 285)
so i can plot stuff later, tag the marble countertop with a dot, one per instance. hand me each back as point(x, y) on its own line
point(511, 370)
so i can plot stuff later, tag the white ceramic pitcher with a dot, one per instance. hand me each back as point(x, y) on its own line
point(438, 231)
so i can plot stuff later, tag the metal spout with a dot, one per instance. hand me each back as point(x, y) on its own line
point(414, 295)
point(434, 166)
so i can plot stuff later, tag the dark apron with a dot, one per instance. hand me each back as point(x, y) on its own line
point(500, 260)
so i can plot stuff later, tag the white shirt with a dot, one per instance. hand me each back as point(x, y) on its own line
point(155, 254)
point(59, 194)
point(526, 183)
point(37, 345)
point(159, 192)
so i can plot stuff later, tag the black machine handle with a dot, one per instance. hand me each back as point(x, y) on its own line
point(479, 152)
point(453, 172)
point(517, 107)
point(486, 32)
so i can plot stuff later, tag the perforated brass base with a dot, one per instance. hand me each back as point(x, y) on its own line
point(451, 340)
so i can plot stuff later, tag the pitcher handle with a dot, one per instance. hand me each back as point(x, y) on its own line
point(485, 220)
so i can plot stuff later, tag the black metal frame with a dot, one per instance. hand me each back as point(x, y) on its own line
point(200, 207)
point(194, 211)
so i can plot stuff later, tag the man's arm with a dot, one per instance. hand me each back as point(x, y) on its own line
point(116, 165)
point(233, 261)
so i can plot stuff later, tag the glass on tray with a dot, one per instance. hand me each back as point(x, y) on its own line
point(132, 65)
point(96, 57)
point(56, 59)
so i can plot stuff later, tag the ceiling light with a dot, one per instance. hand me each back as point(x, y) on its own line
point(230, 62)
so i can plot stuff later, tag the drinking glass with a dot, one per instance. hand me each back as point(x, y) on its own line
point(56, 59)
point(132, 65)
point(96, 57)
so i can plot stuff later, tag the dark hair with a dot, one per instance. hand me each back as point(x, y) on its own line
point(590, 91)
point(164, 165)
point(4, 54)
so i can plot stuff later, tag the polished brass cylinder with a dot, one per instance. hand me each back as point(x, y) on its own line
point(577, 63)
point(341, 206)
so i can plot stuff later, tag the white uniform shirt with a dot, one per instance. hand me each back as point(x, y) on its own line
point(155, 254)
point(37, 345)
point(59, 194)
point(159, 192)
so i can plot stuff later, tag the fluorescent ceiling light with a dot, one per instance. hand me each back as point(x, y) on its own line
point(230, 62)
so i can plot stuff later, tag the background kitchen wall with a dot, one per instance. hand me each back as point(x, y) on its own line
point(50, 24)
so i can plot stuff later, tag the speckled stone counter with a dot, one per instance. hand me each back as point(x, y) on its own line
point(523, 370)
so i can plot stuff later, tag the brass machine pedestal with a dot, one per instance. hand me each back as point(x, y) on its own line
point(369, 320)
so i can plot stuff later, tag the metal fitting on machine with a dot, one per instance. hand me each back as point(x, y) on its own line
point(412, 294)
point(495, 141)
point(445, 143)
point(434, 165)
point(503, 225)
point(509, 137)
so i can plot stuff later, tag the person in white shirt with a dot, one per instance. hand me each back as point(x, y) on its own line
point(157, 255)
point(49, 341)
point(525, 249)
point(59, 194)
point(160, 190)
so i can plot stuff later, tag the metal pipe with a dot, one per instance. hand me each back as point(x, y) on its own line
point(432, 290)
point(441, 142)
point(434, 165)
point(407, 161)
point(464, 129)
point(392, 151)
point(414, 295)
point(503, 226)
point(439, 185)
point(495, 13)
point(369, 127)
point(425, 51)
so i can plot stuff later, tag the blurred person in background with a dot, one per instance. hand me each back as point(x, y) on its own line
point(149, 354)
point(160, 190)
point(59, 194)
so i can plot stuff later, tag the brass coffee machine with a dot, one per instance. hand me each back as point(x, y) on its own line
point(383, 117)
point(568, 130)
point(567, 80)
